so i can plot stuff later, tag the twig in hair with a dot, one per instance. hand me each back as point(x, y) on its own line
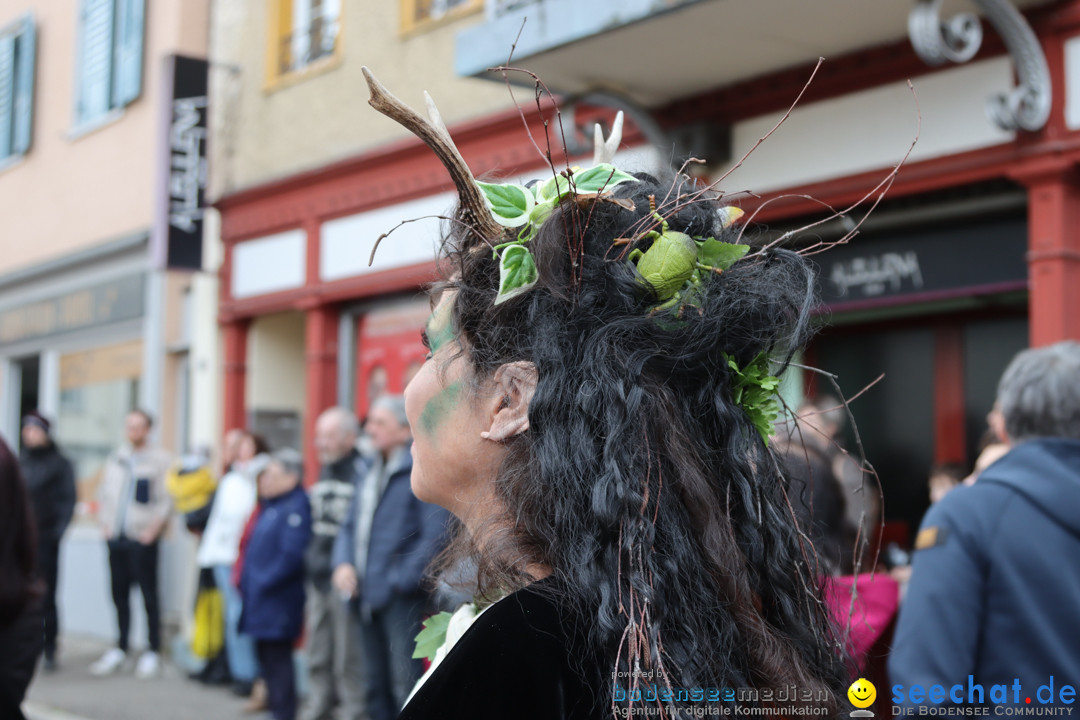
point(504, 70)
point(699, 193)
point(864, 465)
point(766, 136)
point(843, 404)
point(371, 258)
point(881, 189)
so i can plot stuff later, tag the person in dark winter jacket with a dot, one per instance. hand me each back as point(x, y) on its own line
point(20, 589)
point(990, 615)
point(272, 580)
point(50, 481)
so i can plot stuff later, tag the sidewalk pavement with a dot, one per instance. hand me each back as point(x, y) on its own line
point(72, 693)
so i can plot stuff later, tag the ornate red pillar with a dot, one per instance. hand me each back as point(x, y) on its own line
point(950, 430)
point(236, 333)
point(321, 354)
point(1053, 251)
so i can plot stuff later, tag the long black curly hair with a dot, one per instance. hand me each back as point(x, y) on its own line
point(649, 493)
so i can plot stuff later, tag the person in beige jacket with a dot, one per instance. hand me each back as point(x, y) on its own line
point(134, 508)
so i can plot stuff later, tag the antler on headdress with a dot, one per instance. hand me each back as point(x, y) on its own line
point(472, 208)
point(604, 150)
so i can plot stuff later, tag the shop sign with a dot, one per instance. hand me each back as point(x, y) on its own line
point(179, 236)
point(916, 265)
point(79, 310)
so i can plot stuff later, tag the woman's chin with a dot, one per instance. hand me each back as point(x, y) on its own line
point(421, 488)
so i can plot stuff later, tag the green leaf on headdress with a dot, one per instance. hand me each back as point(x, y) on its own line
point(541, 212)
point(510, 203)
point(517, 272)
point(599, 178)
point(720, 255)
point(432, 637)
point(753, 388)
point(552, 190)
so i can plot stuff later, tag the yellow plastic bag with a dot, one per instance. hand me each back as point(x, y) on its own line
point(209, 634)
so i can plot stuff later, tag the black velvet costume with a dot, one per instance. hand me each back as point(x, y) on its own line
point(523, 658)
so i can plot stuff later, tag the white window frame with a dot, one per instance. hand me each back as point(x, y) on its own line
point(301, 25)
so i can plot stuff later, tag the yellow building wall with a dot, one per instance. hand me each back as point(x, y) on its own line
point(266, 131)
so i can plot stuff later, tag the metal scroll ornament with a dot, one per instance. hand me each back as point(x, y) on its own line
point(936, 42)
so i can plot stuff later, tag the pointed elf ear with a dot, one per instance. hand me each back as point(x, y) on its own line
point(515, 384)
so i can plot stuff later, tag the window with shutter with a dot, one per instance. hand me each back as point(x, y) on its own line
point(128, 52)
point(304, 34)
point(17, 55)
point(110, 57)
point(419, 15)
point(7, 93)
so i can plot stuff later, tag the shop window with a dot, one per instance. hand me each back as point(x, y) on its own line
point(16, 87)
point(72, 401)
point(110, 59)
point(304, 34)
point(388, 350)
point(98, 388)
point(423, 14)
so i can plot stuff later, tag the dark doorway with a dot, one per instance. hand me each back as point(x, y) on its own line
point(29, 380)
point(895, 417)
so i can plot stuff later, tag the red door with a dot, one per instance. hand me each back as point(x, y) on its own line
point(389, 351)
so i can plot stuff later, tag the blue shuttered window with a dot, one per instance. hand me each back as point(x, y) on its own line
point(110, 56)
point(95, 59)
point(16, 86)
point(7, 93)
point(128, 52)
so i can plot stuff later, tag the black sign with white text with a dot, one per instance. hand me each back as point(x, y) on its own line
point(929, 262)
point(180, 221)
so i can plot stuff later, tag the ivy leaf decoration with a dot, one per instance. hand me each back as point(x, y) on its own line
point(754, 389)
point(541, 212)
point(510, 203)
point(517, 272)
point(720, 255)
point(553, 190)
point(600, 177)
point(431, 638)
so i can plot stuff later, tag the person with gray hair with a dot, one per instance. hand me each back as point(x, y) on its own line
point(995, 579)
point(381, 553)
point(272, 579)
point(335, 666)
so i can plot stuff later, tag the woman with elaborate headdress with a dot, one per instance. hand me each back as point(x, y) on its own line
point(596, 410)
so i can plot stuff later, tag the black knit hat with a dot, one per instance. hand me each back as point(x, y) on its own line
point(34, 417)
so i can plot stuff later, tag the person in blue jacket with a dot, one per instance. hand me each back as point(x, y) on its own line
point(993, 607)
point(381, 552)
point(272, 581)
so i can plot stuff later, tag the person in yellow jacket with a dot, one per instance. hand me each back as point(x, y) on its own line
point(191, 485)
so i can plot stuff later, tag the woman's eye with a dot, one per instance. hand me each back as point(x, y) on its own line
point(428, 356)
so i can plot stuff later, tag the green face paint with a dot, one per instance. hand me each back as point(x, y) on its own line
point(440, 328)
point(440, 407)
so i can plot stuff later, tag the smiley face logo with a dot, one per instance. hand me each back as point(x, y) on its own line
point(862, 693)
